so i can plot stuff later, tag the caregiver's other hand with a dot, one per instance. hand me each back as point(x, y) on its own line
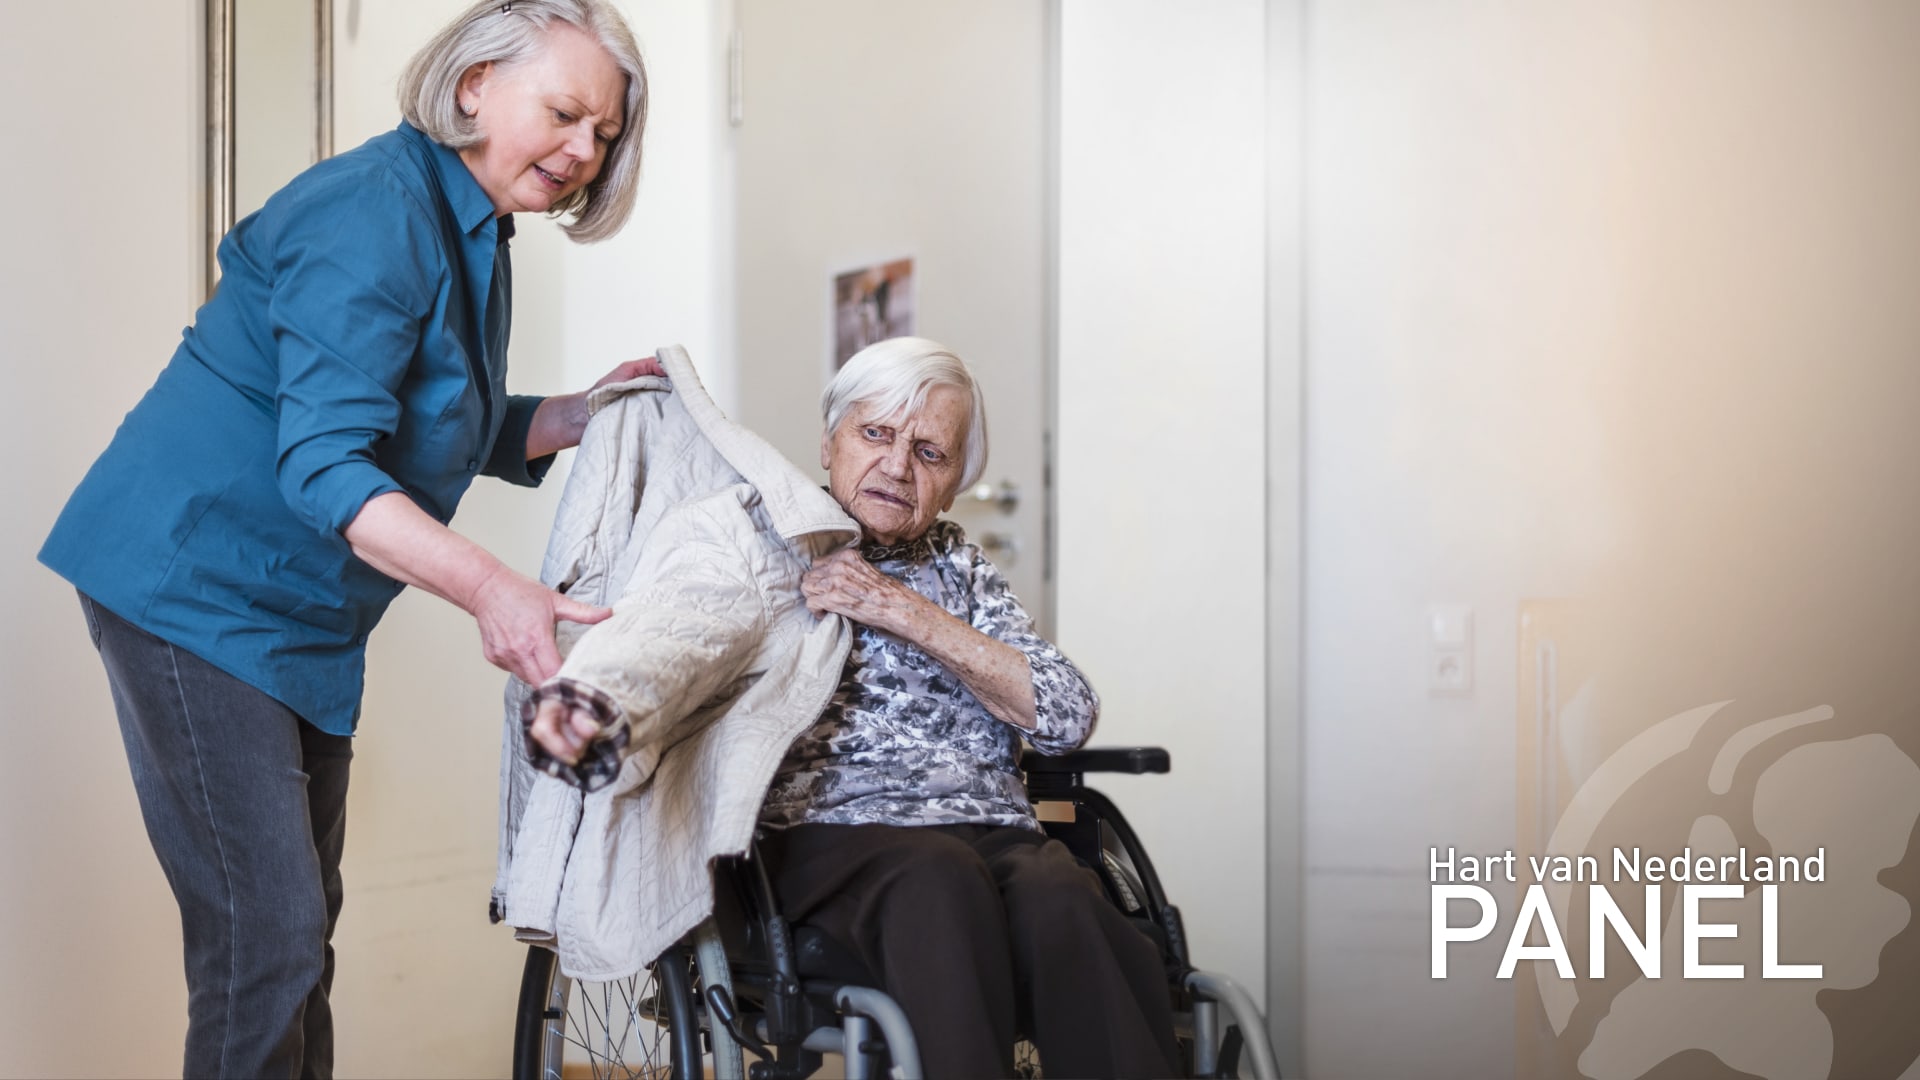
point(631, 369)
point(560, 420)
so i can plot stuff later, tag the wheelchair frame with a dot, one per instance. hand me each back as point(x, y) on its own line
point(720, 994)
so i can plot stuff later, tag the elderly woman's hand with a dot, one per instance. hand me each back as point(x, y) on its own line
point(844, 583)
point(563, 730)
point(560, 420)
point(997, 673)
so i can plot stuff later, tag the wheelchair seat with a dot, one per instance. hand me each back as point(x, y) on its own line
point(789, 994)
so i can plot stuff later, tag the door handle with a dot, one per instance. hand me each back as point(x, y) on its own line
point(1002, 548)
point(1005, 497)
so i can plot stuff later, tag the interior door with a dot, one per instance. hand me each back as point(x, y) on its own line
point(870, 131)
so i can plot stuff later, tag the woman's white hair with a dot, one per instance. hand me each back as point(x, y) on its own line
point(892, 378)
point(506, 34)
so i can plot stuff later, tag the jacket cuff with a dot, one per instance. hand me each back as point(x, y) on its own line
point(508, 461)
point(600, 758)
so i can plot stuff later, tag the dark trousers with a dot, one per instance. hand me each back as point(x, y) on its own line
point(245, 805)
point(977, 931)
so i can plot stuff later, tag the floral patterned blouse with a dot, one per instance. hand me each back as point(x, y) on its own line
point(904, 742)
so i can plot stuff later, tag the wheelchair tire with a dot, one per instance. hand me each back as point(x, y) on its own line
point(643, 1027)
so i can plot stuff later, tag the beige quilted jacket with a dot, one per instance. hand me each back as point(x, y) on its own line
point(696, 532)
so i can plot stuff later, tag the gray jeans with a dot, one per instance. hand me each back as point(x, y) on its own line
point(245, 804)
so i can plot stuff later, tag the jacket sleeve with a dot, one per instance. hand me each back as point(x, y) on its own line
point(1065, 706)
point(354, 280)
point(687, 629)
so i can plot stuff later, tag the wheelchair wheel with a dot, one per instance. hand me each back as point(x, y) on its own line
point(642, 1028)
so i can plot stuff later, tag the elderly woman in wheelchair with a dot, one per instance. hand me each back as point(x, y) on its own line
point(901, 825)
point(898, 826)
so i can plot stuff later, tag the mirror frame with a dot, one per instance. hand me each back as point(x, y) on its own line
point(220, 134)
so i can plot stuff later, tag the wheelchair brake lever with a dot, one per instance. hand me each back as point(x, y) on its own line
point(720, 1004)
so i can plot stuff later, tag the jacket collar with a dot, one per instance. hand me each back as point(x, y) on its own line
point(795, 502)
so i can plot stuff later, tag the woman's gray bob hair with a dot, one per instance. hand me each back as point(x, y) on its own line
point(893, 376)
point(505, 34)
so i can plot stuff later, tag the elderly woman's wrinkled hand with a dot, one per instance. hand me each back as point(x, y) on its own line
point(563, 730)
point(846, 584)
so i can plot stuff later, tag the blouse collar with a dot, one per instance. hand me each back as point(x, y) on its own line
point(918, 549)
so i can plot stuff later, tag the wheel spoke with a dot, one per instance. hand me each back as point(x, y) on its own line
point(629, 1019)
point(586, 1024)
point(606, 1030)
point(654, 1055)
point(583, 1027)
point(654, 1049)
point(649, 1047)
point(594, 1054)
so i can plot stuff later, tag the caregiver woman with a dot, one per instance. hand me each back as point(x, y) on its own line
point(295, 466)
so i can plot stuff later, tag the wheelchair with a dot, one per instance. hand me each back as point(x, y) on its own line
point(747, 996)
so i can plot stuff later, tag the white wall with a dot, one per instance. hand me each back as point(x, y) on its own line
point(1286, 358)
point(1161, 434)
point(102, 275)
point(101, 270)
point(1600, 303)
point(667, 279)
point(1460, 296)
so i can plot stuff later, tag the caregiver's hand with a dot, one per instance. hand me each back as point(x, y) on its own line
point(559, 421)
point(516, 616)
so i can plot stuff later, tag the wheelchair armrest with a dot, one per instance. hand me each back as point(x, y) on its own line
point(1120, 759)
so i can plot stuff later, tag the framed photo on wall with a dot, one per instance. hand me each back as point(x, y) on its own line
point(871, 304)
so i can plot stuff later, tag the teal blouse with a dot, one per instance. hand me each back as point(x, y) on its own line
point(357, 345)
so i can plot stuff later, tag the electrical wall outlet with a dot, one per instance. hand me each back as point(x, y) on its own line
point(1450, 650)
